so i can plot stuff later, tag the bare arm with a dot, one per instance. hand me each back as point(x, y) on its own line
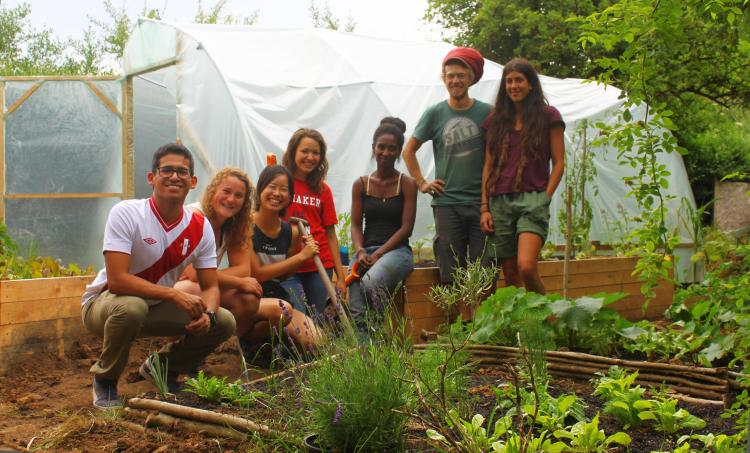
point(434, 188)
point(121, 281)
point(209, 283)
point(485, 218)
point(409, 187)
point(265, 272)
point(557, 148)
point(358, 237)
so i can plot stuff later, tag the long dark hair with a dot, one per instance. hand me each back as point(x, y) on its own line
point(316, 177)
point(264, 179)
point(533, 118)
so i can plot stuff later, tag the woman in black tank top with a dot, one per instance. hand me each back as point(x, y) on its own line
point(385, 203)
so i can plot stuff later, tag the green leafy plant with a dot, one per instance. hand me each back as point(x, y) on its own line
point(499, 317)
point(667, 418)
point(586, 322)
point(621, 400)
point(586, 437)
point(208, 388)
point(343, 231)
point(711, 443)
point(14, 266)
point(552, 412)
point(218, 390)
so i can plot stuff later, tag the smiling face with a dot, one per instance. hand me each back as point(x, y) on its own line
point(168, 185)
point(386, 150)
point(517, 86)
point(275, 196)
point(457, 79)
point(306, 157)
point(228, 198)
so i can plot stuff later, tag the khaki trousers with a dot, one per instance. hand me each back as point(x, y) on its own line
point(121, 319)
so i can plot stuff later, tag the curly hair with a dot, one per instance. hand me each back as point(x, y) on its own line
point(316, 177)
point(238, 229)
point(533, 118)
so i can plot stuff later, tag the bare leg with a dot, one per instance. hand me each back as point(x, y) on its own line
point(529, 245)
point(510, 271)
point(299, 327)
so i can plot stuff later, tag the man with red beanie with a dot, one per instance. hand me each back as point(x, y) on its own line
point(458, 142)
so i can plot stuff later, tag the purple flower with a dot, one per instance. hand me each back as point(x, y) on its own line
point(337, 415)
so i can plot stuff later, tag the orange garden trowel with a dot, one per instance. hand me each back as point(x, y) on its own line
point(353, 274)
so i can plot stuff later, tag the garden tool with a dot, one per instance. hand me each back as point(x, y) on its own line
point(270, 159)
point(304, 230)
point(353, 274)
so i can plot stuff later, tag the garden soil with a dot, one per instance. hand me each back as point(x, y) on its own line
point(45, 405)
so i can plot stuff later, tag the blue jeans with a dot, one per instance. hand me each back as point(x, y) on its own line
point(307, 292)
point(374, 290)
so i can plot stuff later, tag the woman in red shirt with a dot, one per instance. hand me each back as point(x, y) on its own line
point(305, 157)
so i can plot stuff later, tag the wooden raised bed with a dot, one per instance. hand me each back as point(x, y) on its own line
point(39, 316)
point(586, 277)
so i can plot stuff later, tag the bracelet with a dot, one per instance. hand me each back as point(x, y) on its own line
point(482, 211)
point(420, 182)
point(482, 204)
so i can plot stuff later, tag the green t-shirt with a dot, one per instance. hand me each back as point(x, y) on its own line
point(458, 145)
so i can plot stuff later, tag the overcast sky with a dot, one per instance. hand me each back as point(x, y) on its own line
point(399, 19)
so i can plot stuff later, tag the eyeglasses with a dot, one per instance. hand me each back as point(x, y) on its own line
point(167, 171)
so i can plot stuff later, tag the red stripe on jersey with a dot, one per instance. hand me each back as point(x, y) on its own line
point(177, 251)
point(167, 227)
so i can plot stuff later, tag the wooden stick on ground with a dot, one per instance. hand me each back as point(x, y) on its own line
point(206, 416)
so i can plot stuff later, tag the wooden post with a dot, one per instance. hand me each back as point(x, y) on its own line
point(128, 144)
point(2, 151)
point(568, 237)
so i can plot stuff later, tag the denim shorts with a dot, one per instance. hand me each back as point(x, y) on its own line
point(513, 214)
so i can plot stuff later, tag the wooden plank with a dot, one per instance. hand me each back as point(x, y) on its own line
point(21, 312)
point(56, 78)
point(18, 196)
point(423, 275)
point(43, 288)
point(40, 331)
point(421, 310)
point(22, 99)
point(102, 97)
point(2, 151)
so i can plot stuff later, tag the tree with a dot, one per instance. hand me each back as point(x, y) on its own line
point(27, 51)
point(324, 18)
point(213, 15)
point(541, 31)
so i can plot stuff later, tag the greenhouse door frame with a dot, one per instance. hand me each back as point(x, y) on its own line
point(126, 122)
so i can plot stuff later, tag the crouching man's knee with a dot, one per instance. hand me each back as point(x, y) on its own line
point(225, 324)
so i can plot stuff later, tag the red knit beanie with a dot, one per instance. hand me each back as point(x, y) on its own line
point(470, 57)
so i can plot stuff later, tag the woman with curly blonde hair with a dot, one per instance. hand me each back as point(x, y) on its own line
point(227, 204)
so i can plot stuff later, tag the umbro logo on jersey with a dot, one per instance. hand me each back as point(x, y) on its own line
point(149, 241)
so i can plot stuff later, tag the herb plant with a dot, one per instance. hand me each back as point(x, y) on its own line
point(621, 400)
point(667, 418)
point(586, 437)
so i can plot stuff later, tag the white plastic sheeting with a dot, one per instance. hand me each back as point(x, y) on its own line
point(240, 92)
point(62, 140)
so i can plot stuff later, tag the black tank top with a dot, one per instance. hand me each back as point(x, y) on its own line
point(382, 216)
point(272, 250)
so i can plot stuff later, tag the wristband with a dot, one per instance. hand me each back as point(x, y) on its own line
point(421, 181)
point(212, 317)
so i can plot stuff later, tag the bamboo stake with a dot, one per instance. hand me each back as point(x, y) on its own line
point(207, 429)
point(206, 416)
point(568, 238)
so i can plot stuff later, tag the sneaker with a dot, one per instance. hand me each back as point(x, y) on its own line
point(173, 386)
point(105, 394)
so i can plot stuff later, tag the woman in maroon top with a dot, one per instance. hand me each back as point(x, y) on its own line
point(524, 134)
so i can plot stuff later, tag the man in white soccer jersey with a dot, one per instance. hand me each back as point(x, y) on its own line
point(147, 245)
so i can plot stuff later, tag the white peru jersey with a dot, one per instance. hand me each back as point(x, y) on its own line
point(159, 252)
